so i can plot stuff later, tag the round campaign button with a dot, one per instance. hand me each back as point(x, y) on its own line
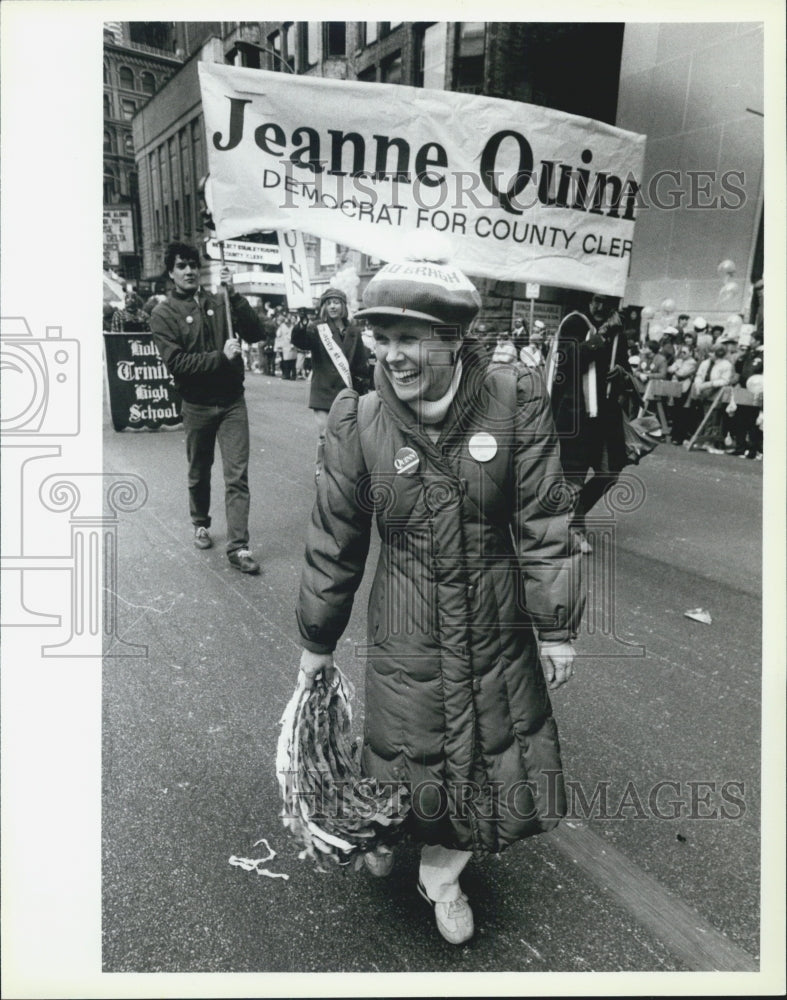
point(189, 319)
point(406, 461)
point(482, 447)
point(210, 312)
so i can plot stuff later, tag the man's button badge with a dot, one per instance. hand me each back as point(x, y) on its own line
point(406, 461)
point(189, 319)
point(482, 447)
point(210, 312)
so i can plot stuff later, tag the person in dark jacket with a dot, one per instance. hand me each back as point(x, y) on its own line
point(591, 375)
point(476, 598)
point(338, 357)
point(190, 331)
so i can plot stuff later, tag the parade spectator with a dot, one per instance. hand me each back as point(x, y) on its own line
point(131, 318)
point(667, 344)
point(451, 702)
point(592, 373)
point(658, 365)
point(519, 330)
point(702, 334)
point(287, 351)
point(532, 354)
point(504, 353)
point(715, 372)
point(683, 369)
point(683, 322)
point(746, 434)
point(190, 332)
point(338, 355)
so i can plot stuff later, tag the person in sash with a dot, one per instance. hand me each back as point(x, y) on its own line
point(476, 599)
point(338, 355)
point(591, 372)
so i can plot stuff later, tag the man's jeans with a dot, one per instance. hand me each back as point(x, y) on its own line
point(230, 426)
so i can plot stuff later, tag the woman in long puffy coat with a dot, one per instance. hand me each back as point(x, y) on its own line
point(476, 597)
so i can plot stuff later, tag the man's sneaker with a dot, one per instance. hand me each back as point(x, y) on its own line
point(242, 559)
point(454, 920)
point(201, 538)
point(380, 862)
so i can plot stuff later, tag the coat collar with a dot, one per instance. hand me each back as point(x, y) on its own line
point(475, 362)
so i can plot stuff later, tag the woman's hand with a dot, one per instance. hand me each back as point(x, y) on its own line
point(312, 663)
point(557, 662)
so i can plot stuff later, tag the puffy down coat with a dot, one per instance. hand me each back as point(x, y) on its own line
point(475, 558)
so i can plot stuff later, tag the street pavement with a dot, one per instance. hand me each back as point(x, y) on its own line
point(635, 883)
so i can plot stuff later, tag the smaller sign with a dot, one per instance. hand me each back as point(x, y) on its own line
point(296, 269)
point(242, 252)
point(142, 394)
point(532, 290)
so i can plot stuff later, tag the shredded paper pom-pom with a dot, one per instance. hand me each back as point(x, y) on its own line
point(328, 807)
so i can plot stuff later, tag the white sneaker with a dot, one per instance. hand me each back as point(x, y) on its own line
point(454, 919)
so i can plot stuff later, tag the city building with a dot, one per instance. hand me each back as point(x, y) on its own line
point(634, 76)
point(138, 59)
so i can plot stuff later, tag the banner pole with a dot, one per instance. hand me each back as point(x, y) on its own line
point(225, 296)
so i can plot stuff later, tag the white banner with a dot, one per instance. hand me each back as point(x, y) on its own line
point(521, 193)
point(296, 270)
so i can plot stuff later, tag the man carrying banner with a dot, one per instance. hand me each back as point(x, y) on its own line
point(204, 357)
point(339, 358)
point(587, 373)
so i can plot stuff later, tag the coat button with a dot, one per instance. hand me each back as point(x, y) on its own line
point(476, 684)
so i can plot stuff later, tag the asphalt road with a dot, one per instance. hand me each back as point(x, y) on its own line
point(634, 880)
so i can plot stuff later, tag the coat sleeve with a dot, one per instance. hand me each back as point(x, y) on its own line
point(246, 322)
point(303, 336)
point(166, 335)
point(547, 550)
point(337, 539)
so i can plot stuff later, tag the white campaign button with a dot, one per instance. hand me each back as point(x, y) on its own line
point(482, 447)
point(210, 312)
point(189, 319)
point(406, 461)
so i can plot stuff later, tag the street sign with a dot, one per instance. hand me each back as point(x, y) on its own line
point(296, 269)
point(532, 290)
point(239, 251)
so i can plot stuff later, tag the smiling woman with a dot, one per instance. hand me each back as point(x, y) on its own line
point(476, 597)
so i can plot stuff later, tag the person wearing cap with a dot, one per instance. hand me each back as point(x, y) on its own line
point(339, 359)
point(457, 461)
point(702, 334)
point(747, 436)
point(203, 356)
point(532, 354)
point(714, 373)
point(591, 373)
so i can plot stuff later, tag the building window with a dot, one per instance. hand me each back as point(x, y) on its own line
point(310, 41)
point(368, 75)
point(107, 142)
point(158, 226)
point(391, 69)
point(196, 145)
point(369, 32)
point(335, 38)
point(106, 73)
point(176, 213)
point(127, 109)
point(166, 223)
point(470, 57)
point(289, 46)
point(126, 78)
point(187, 220)
point(327, 253)
point(432, 45)
point(107, 107)
point(274, 57)
point(148, 83)
point(128, 144)
point(110, 182)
